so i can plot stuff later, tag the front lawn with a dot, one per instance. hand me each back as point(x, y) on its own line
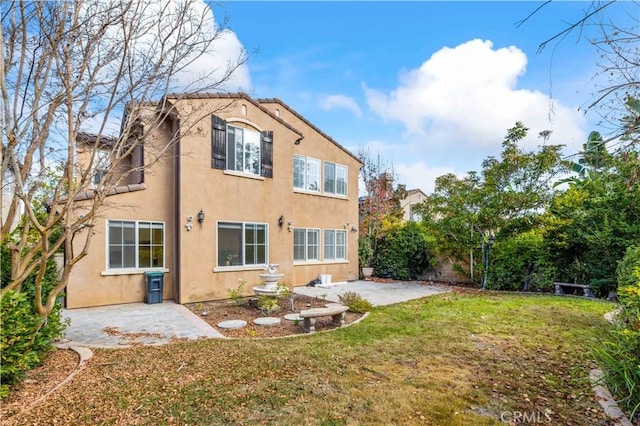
point(457, 358)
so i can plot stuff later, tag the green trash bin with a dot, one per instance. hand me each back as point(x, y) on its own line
point(154, 287)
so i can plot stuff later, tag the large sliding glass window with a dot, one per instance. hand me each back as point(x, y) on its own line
point(241, 244)
point(133, 244)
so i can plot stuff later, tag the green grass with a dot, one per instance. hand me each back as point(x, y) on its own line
point(453, 359)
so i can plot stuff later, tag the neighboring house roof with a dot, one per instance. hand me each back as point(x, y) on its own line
point(308, 123)
point(416, 191)
point(90, 138)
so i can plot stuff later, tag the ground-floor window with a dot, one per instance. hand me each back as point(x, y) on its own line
point(241, 243)
point(335, 244)
point(306, 244)
point(135, 244)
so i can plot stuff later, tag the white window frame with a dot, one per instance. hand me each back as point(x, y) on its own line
point(331, 249)
point(243, 226)
point(307, 247)
point(244, 167)
point(101, 164)
point(339, 170)
point(309, 164)
point(136, 245)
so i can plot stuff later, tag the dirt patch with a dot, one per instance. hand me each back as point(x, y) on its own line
point(225, 310)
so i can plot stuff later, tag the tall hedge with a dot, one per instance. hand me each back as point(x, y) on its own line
point(403, 253)
point(520, 262)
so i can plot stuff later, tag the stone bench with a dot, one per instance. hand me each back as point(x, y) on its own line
point(586, 289)
point(337, 313)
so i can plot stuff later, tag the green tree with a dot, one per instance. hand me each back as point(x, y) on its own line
point(380, 204)
point(504, 199)
point(593, 222)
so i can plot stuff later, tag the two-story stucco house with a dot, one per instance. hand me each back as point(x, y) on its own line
point(252, 183)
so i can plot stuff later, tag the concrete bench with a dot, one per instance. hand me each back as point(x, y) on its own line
point(586, 290)
point(337, 313)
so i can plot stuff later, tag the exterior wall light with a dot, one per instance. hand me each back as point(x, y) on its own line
point(281, 221)
point(200, 216)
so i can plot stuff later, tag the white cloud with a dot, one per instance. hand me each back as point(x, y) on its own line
point(225, 51)
point(330, 102)
point(462, 100)
point(420, 175)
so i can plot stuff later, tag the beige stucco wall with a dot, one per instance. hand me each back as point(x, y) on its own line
point(222, 196)
point(89, 284)
point(227, 197)
point(414, 197)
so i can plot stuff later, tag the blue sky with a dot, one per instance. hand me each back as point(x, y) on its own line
point(432, 87)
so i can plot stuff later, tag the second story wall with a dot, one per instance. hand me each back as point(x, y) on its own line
point(241, 200)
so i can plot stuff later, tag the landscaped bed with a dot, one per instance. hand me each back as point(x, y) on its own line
point(246, 309)
point(468, 358)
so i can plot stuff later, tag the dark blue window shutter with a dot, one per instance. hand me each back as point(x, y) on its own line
point(218, 142)
point(266, 147)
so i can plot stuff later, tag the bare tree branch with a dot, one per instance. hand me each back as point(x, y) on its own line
point(70, 67)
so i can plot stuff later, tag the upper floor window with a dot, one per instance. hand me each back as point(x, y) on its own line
point(241, 149)
point(335, 178)
point(306, 173)
point(101, 164)
point(135, 244)
point(241, 244)
point(414, 213)
point(306, 244)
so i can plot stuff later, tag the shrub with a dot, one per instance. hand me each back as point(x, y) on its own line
point(520, 263)
point(355, 302)
point(618, 350)
point(25, 337)
point(365, 252)
point(268, 304)
point(626, 271)
point(235, 294)
point(403, 253)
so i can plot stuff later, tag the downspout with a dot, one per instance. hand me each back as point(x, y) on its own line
point(177, 214)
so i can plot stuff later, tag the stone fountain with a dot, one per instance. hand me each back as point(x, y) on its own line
point(271, 278)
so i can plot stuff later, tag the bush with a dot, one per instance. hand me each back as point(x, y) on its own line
point(268, 304)
point(365, 252)
point(25, 337)
point(627, 270)
point(618, 351)
point(519, 263)
point(403, 253)
point(355, 302)
point(236, 294)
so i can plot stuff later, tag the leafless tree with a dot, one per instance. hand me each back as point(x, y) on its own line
point(73, 66)
point(613, 29)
